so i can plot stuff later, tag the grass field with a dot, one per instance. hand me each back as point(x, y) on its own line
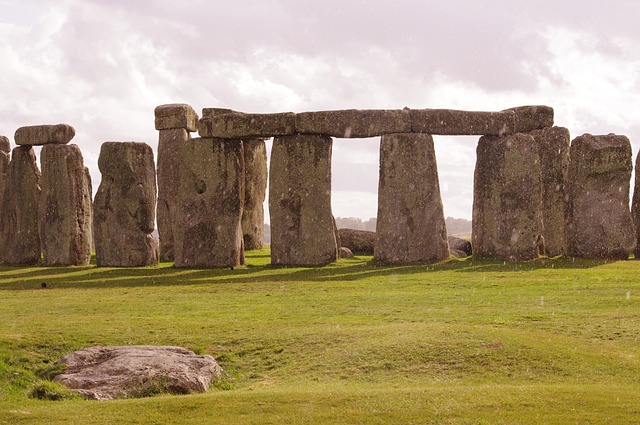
point(550, 341)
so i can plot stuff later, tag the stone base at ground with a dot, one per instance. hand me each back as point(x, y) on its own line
point(105, 373)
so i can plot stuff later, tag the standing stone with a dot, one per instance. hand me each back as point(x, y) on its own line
point(410, 226)
point(255, 188)
point(174, 122)
point(635, 208)
point(125, 205)
point(5, 157)
point(599, 223)
point(87, 193)
point(20, 239)
point(507, 199)
point(65, 207)
point(170, 146)
point(208, 230)
point(302, 225)
point(553, 147)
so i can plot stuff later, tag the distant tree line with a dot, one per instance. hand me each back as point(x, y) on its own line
point(455, 226)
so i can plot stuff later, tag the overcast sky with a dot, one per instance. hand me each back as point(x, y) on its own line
point(103, 66)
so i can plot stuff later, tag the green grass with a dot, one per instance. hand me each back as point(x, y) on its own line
point(550, 341)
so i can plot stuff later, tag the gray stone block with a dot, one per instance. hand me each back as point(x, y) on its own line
point(302, 225)
point(38, 135)
point(410, 226)
point(507, 199)
point(528, 118)
point(174, 116)
point(170, 145)
point(255, 188)
point(553, 148)
point(65, 207)
point(453, 122)
point(125, 206)
point(19, 235)
point(599, 223)
point(354, 123)
point(208, 231)
point(241, 126)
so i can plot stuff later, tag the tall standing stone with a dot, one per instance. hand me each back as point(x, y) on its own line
point(410, 226)
point(302, 225)
point(553, 144)
point(174, 123)
point(20, 239)
point(599, 223)
point(65, 207)
point(5, 157)
point(255, 188)
point(507, 199)
point(125, 206)
point(635, 208)
point(208, 231)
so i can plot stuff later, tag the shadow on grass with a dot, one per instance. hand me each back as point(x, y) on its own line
point(30, 278)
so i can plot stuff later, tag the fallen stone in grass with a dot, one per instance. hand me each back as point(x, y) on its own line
point(105, 373)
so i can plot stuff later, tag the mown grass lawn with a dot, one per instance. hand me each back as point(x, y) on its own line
point(553, 341)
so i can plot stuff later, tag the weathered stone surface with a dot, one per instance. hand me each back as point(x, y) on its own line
point(453, 122)
point(176, 115)
point(459, 244)
point(210, 112)
point(457, 253)
point(246, 126)
point(528, 118)
point(105, 373)
point(302, 226)
point(65, 207)
point(5, 145)
point(170, 145)
point(599, 223)
point(361, 242)
point(5, 158)
point(208, 231)
point(507, 199)
point(19, 236)
point(88, 192)
point(37, 135)
point(410, 226)
point(635, 209)
point(354, 123)
point(125, 206)
point(345, 252)
point(553, 148)
point(255, 188)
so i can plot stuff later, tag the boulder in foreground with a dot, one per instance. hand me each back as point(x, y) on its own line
point(105, 373)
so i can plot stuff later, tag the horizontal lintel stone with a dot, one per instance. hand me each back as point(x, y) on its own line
point(239, 125)
point(354, 123)
point(534, 117)
point(38, 135)
point(453, 122)
point(176, 115)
